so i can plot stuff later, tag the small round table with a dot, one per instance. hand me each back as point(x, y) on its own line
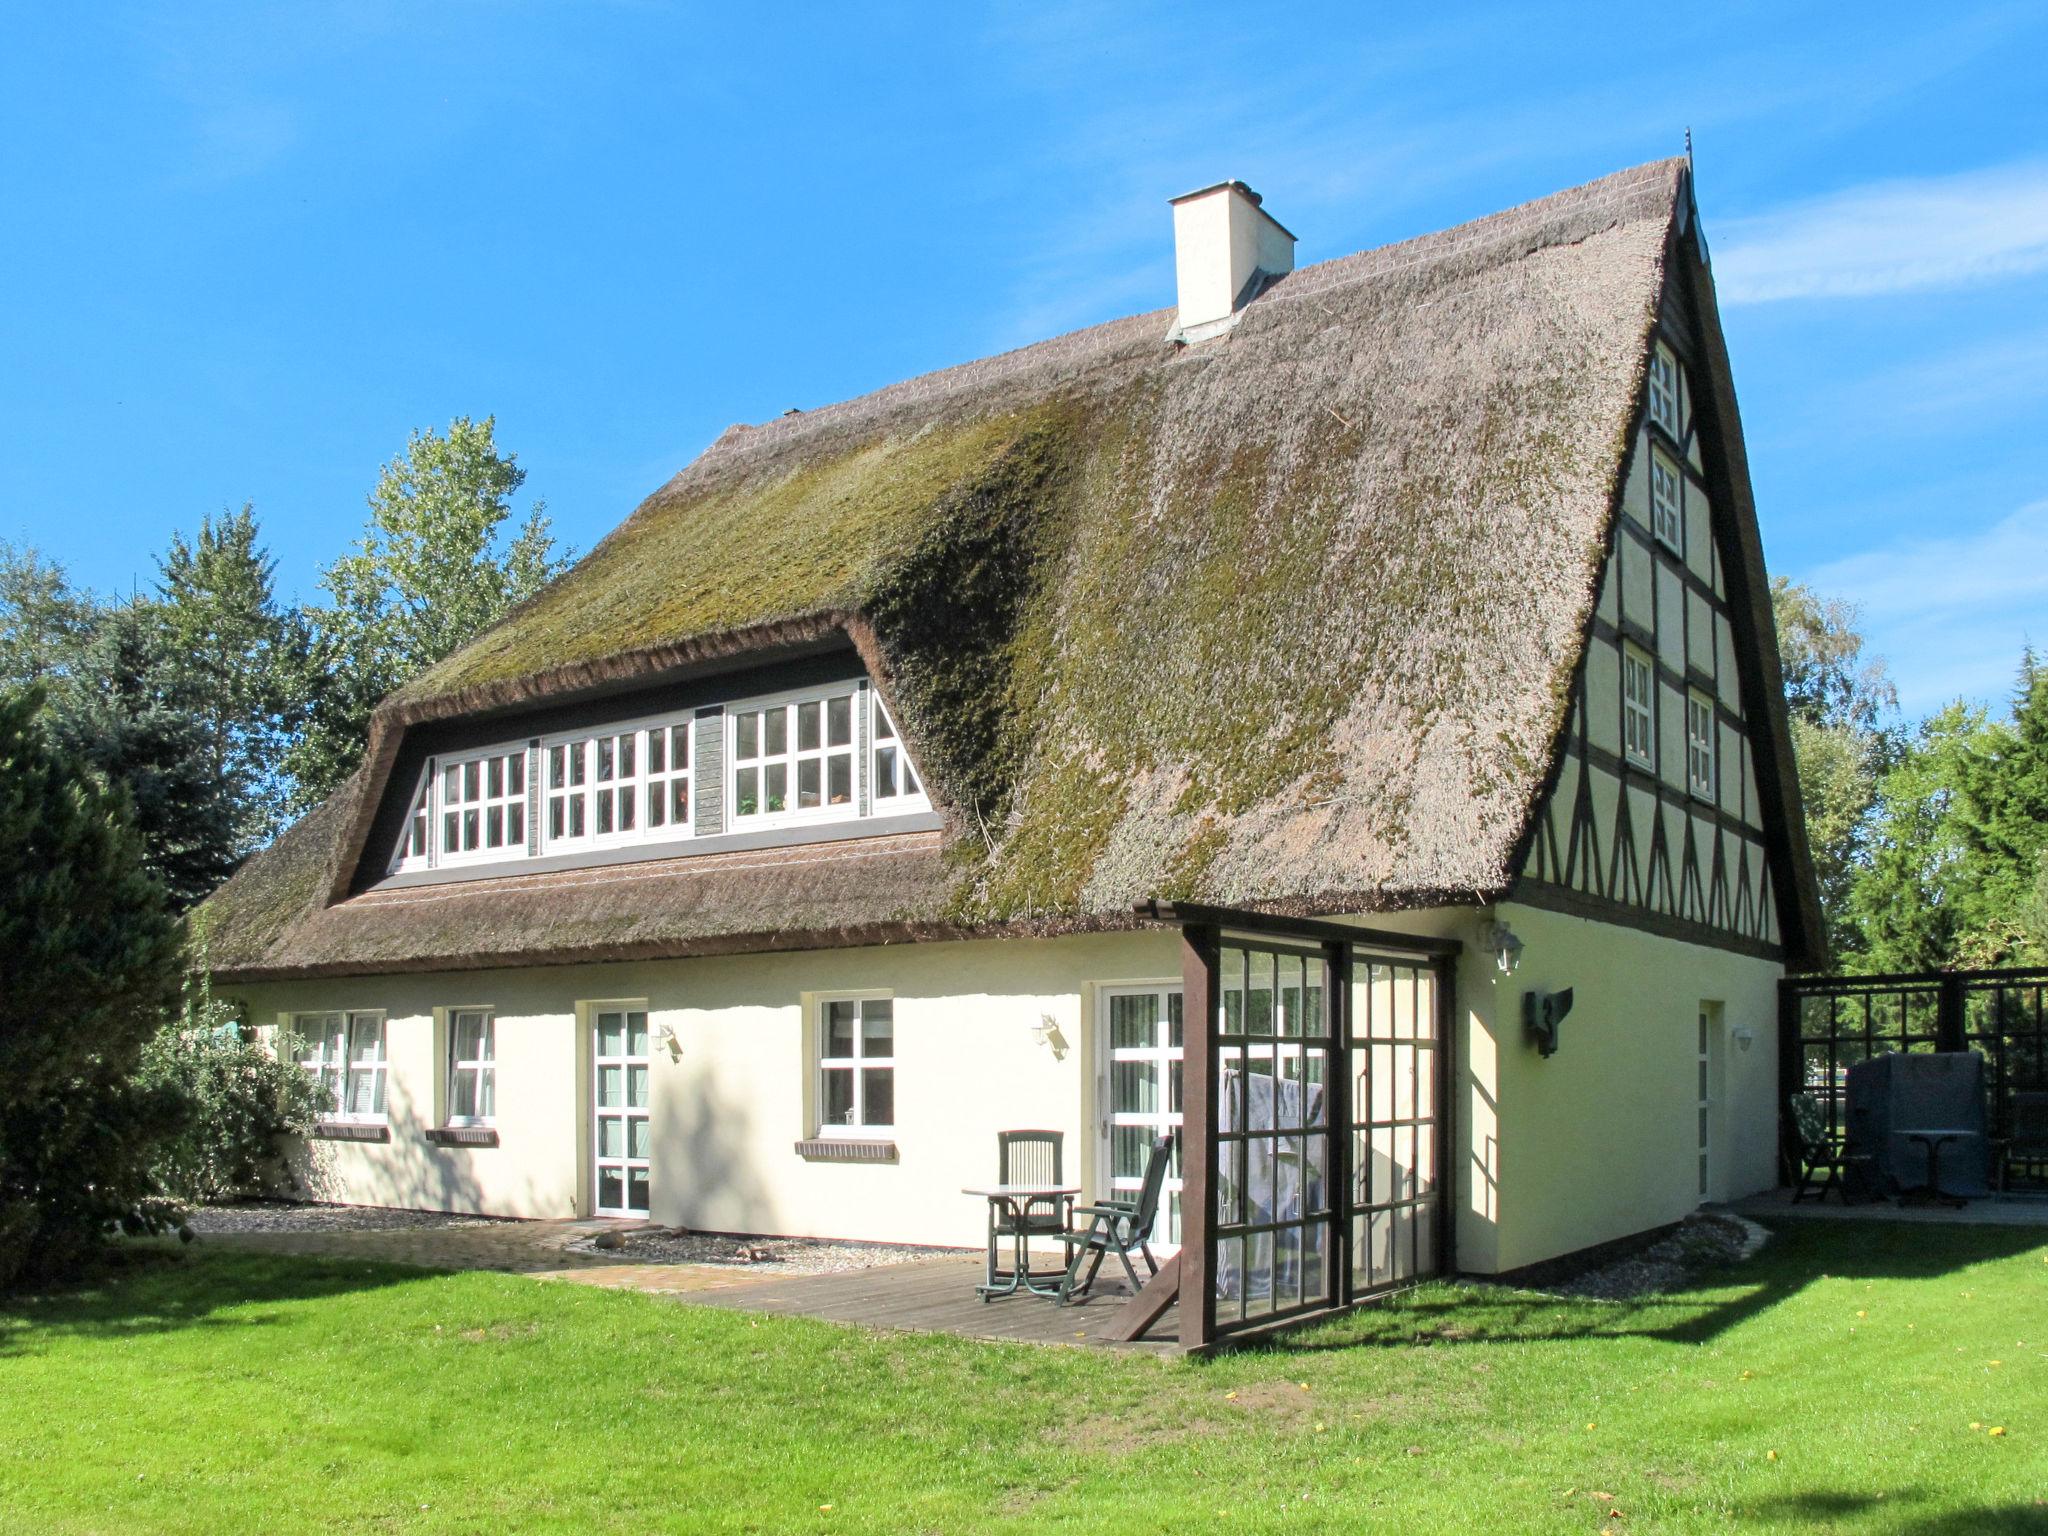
point(1015, 1201)
point(1934, 1139)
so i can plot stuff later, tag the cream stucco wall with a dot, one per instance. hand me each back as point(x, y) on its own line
point(1546, 1155)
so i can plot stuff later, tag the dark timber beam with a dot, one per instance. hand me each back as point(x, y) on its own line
point(1311, 928)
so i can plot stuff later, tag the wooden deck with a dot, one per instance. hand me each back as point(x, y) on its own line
point(938, 1296)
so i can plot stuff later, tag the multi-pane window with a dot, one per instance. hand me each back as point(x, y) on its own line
point(1638, 707)
point(415, 844)
point(1666, 520)
point(1664, 389)
point(788, 760)
point(1699, 745)
point(793, 758)
point(668, 777)
point(344, 1055)
point(856, 1065)
point(890, 778)
point(472, 1066)
point(483, 806)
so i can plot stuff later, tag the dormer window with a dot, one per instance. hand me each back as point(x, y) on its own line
point(483, 805)
point(828, 753)
point(1664, 389)
point(793, 758)
point(890, 779)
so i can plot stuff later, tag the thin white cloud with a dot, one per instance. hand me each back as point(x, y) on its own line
point(1890, 237)
point(1951, 613)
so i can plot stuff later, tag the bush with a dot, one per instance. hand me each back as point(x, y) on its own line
point(89, 966)
point(242, 1103)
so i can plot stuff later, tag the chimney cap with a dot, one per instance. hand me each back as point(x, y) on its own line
point(1239, 187)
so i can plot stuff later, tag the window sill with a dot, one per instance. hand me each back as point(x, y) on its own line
point(463, 1135)
point(845, 1149)
point(350, 1130)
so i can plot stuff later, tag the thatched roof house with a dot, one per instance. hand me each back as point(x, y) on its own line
point(1289, 620)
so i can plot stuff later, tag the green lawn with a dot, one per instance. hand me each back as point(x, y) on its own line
point(216, 1393)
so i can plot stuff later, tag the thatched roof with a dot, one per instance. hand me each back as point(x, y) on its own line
point(1286, 619)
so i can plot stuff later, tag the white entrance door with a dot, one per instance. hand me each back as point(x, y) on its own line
point(625, 1139)
point(1140, 1028)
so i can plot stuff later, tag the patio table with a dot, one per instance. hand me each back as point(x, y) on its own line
point(1014, 1200)
point(1934, 1139)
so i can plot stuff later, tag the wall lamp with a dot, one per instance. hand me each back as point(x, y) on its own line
point(1048, 1031)
point(675, 1046)
point(1506, 947)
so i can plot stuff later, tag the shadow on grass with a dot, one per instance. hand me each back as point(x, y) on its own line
point(149, 1289)
point(1822, 1509)
point(1798, 1254)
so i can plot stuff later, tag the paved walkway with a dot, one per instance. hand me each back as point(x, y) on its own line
point(926, 1296)
point(2003, 1211)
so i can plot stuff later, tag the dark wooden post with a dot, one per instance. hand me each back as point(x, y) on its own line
point(1448, 1086)
point(1337, 1112)
point(1791, 1075)
point(1948, 1017)
point(1198, 1137)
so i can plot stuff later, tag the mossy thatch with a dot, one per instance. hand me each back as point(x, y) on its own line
point(1286, 619)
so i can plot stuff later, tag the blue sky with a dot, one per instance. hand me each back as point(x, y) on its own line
point(250, 247)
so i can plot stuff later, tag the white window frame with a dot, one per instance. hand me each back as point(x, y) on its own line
point(481, 1068)
point(416, 838)
point(1638, 714)
point(889, 762)
point(740, 790)
point(623, 793)
point(1701, 742)
point(1667, 501)
point(855, 1066)
point(508, 761)
point(1665, 373)
point(319, 1057)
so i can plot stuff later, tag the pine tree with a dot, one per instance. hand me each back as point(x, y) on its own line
point(91, 970)
point(235, 652)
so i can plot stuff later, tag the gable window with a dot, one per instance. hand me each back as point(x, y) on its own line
point(793, 758)
point(1699, 745)
point(1664, 388)
point(1638, 707)
point(483, 805)
point(856, 1066)
point(1665, 519)
point(344, 1055)
point(472, 1067)
point(890, 777)
point(415, 843)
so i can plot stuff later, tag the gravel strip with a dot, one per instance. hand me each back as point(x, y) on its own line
point(287, 1216)
point(1700, 1243)
point(780, 1255)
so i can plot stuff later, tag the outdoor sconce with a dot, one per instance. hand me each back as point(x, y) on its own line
point(675, 1046)
point(1542, 1013)
point(1048, 1031)
point(1744, 1037)
point(1507, 949)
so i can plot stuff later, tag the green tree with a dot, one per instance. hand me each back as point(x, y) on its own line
point(432, 570)
point(235, 652)
point(43, 620)
point(1911, 899)
point(2003, 816)
point(1843, 705)
point(91, 968)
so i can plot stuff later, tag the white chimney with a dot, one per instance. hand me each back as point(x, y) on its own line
point(1226, 251)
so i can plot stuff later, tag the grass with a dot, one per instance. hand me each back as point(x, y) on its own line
point(218, 1393)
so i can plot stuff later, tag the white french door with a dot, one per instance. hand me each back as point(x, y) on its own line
point(1139, 1093)
point(620, 1083)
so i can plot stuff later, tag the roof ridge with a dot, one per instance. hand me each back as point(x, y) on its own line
point(1317, 277)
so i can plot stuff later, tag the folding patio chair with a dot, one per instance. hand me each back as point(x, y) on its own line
point(1119, 1227)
